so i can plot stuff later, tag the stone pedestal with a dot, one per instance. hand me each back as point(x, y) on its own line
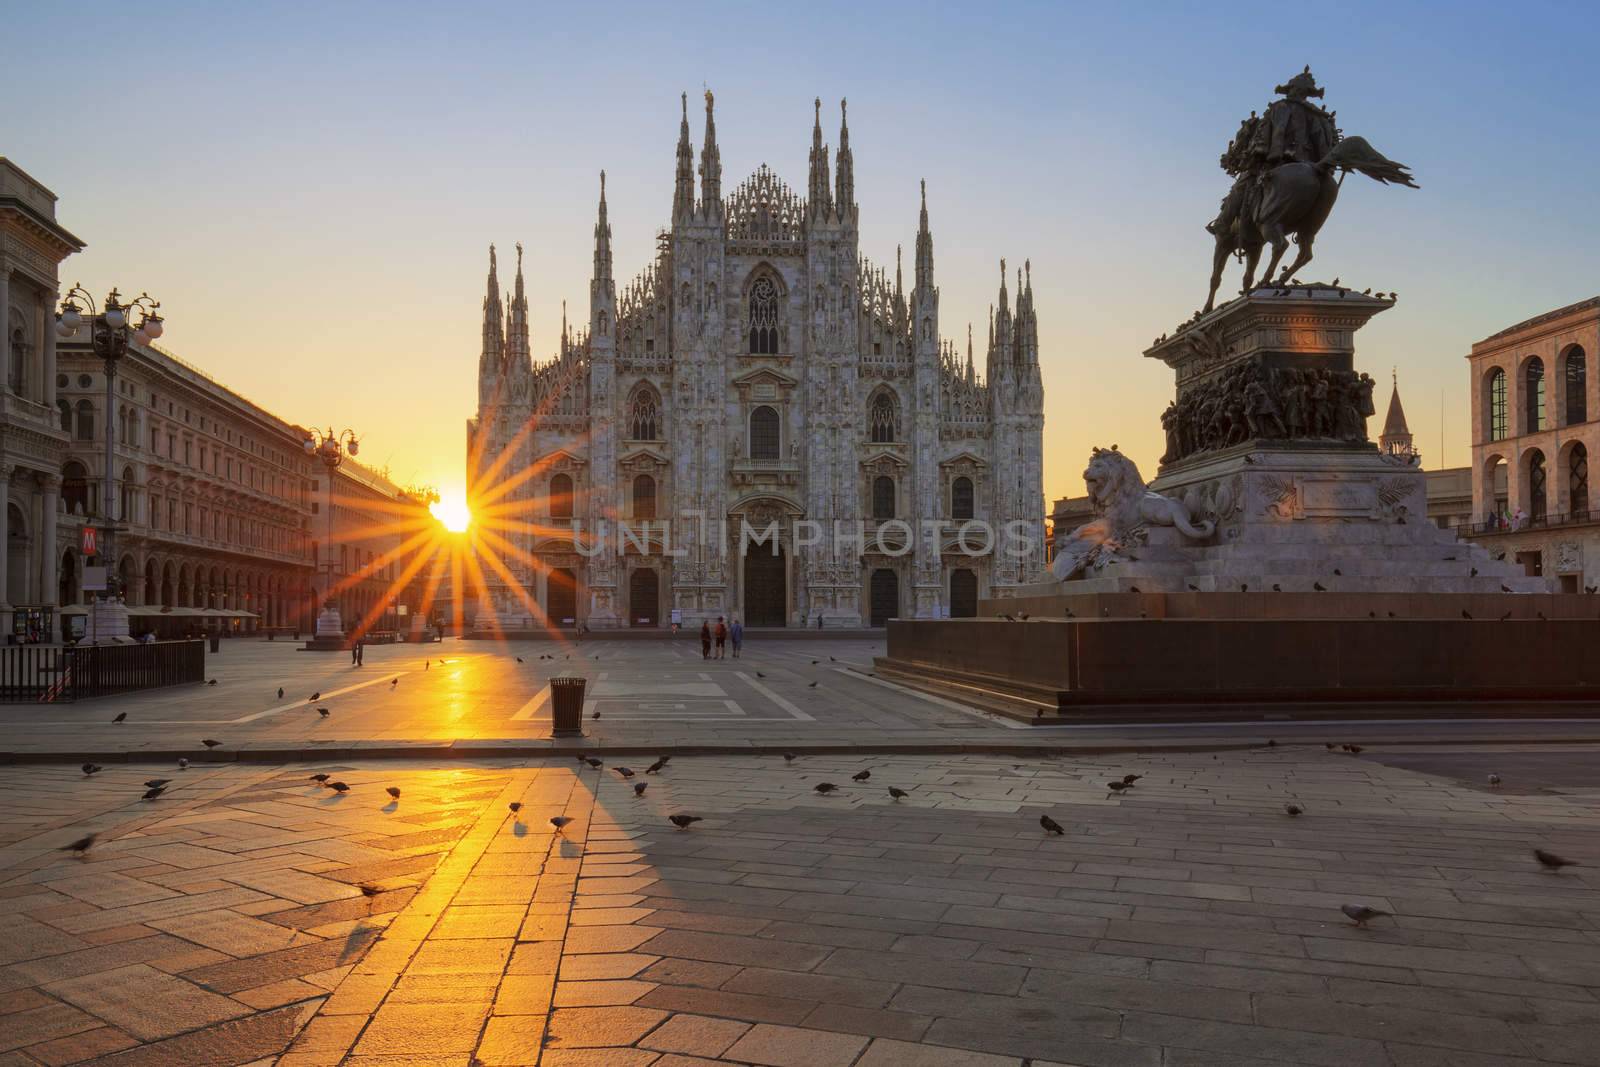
point(107, 623)
point(330, 624)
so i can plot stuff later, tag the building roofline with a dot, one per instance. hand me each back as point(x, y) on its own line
point(1591, 304)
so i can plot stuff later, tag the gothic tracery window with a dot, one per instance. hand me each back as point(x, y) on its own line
point(764, 317)
point(644, 415)
point(881, 418)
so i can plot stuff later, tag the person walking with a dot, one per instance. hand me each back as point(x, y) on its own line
point(737, 633)
point(705, 640)
point(355, 653)
point(722, 637)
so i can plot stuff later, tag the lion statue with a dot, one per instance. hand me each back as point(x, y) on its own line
point(1123, 509)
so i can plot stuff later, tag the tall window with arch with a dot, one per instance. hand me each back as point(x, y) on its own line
point(882, 417)
point(1578, 479)
point(85, 411)
point(644, 415)
point(75, 488)
point(16, 355)
point(1497, 405)
point(644, 497)
point(1576, 368)
point(1533, 388)
point(961, 498)
point(561, 496)
point(765, 439)
point(883, 497)
point(764, 298)
point(1538, 487)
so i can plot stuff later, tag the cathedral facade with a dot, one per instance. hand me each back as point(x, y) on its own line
point(761, 425)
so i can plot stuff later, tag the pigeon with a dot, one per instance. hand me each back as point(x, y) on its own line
point(210, 742)
point(824, 787)
point(314, 697)
point(121, 717)
point(1116, 787)
point(1354, 750)
point(1474, 573)
point(1552, 862)
point(1361, 913)
point(280, 692)
point(683, 822)
point(626, 772)
point(656, 766)
point(323, 712)
point(1133, 589)
point(861, 776)
point(338, 787)
point(1276, 588)
point(815, 662)
point(596, 715)
point(157, 783)
point(1292, 810)
point(1338, 572)
point(639, 788)
point(1494, 780)
point(91, 769)
point(897, 792)
point(1506, 616)
point(319, 778)
point(151, 794)
point(369, 891)
point(1129, 779)
point(1051, 826)
point(811, 685)
point(393, 791)
point(1319, 587)
point(592, 762)
point(789, 757)
point(1504, 588)
point(519, 659)
point(426, 664)
point(211, 681)
point(183, 763)
point(515, 806)
point(1329, 745)
point(560, 822)
point(832, 660)
point(393, 682)
point(82, 845)
point(760, 675)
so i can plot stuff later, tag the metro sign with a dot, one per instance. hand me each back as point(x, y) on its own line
point(88, 544)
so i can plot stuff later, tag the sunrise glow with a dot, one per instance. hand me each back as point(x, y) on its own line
point(452, 512)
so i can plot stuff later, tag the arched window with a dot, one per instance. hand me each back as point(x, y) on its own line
point(764, 317)
point(1497, 405)
point(1537, 496)
point(644, 415)
point(16, 356)
point(765, 442)
point(561, 496)
point(65, 407)
point(961, 498)
point(644, 497)
point(127, 494)
point(1578, 480)
point(883, 497)
point(1577, 372)
point(1533, 383)
point(85, 421)
point(75, 488)
point(881, 417)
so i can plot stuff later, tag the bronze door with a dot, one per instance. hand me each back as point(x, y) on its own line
point(885, 595)
point(644, 593)
point(766, 592)
point(963, 594)
point(561, 597)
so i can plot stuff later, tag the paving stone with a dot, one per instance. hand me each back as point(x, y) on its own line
point(82, 1046)
point(885, 1052)
point(601, 1027)
point(871, 1022)
point(511, 1041)
point(613, 1057)
point(44, 1023)
point(745, 1006)
point(242, 1041)
point(1258, 1041)
point(787, 1046)
point(402, 1029)
point(728, 948)
point(145, 1002)
point(947, 974)
point(695, 1035)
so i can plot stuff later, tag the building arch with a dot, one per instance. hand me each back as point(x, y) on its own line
point(1496, 411)
point(766, 433)
point(1575, 385)
point(644, 413)
point(766, 304)
point(883, 416)
point(1535, 479)
point(1574, 474)
point(84, 413)
point(1535, 412)
point(18, 351)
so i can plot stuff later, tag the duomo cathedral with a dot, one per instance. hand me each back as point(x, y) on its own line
point(758, 375)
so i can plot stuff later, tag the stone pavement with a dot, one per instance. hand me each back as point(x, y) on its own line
point(487, 699)
point(1186, 923)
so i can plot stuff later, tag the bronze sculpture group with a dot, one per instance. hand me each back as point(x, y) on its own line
point(1249, 402)
point(1287, 167)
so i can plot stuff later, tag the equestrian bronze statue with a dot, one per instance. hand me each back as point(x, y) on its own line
point(1287, 167)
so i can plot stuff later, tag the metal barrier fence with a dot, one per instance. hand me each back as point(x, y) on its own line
point(51, 674)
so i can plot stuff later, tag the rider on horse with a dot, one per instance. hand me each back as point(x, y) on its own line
point(1293, 130)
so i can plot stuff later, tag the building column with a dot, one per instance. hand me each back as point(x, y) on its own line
point(47, 345)
point(49, 493)
point(5, 549)
point(5, 320)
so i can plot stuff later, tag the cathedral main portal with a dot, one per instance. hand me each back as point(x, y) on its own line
point(766, 587)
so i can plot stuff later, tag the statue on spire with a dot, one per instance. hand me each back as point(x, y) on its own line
point(1287, 167)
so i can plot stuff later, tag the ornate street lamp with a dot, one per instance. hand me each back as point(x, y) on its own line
point(110, 333)
point(330, 448)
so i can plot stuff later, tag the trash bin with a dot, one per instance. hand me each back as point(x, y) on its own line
point(566, 707)
point(216, 642)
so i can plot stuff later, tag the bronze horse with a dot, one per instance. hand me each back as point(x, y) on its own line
point(1294, 200)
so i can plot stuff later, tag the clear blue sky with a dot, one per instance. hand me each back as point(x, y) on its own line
point(310, 188)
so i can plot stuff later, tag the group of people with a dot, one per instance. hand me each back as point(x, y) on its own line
point(722, 634)
point(1248, 401)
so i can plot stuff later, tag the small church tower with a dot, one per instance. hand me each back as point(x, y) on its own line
point(1396, 437)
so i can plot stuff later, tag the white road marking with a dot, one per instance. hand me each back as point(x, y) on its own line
point(775, 698)
point(534, 706)
point(302, 705)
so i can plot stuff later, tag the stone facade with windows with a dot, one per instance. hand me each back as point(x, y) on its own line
point(1535, 398)
point(759, 369)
